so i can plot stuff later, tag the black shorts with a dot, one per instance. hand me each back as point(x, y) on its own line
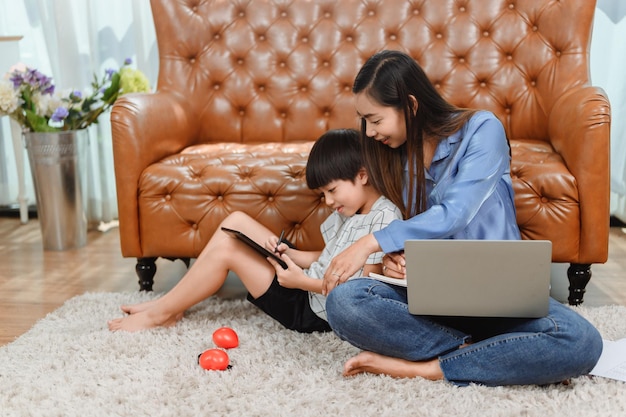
point(290, 307)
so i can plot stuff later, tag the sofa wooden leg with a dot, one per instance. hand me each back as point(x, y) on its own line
point(579, 276)
point(146, 269)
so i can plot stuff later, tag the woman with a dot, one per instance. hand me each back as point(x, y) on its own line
point(448, 170)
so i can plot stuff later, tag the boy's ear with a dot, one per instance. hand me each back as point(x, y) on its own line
point(413, 104)
point(362, 176)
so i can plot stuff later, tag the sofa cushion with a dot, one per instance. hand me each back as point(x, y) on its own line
point(193, 191)
point(546, 196)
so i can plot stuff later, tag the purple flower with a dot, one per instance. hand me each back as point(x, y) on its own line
point(77, 94)
point(48, 89)
point(59, 114)
point(109, 73)
point(128, 61)
point(34, 79)
point(16, 79)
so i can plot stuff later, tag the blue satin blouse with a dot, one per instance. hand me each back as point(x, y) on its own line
point(469, 188)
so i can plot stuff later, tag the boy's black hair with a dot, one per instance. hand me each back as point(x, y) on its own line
point(336, 155)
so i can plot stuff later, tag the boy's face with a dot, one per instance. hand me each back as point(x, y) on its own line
point(384, 124)
point(347, 197)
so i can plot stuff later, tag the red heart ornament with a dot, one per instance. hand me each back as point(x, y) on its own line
point(213, 360)
point(226, 338)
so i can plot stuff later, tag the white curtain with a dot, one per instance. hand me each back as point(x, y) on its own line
point(608, 70)
point(71, 40)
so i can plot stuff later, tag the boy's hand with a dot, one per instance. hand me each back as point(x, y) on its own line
point(272, 245)
point(292, 277)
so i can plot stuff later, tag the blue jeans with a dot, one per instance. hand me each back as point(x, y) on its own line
point(374, 316)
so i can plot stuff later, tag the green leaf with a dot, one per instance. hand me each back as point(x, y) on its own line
point(110, 94)
point(38, 123)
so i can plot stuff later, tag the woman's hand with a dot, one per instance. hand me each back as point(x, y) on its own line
point(394, 265)
point(344, 265)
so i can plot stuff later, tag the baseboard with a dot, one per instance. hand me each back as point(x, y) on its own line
point(14, 211)
point(615, 222)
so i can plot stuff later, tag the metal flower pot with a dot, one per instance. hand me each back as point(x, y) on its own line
point(57, 164)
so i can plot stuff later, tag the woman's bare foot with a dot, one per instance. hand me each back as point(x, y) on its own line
point(398, 368)
point(146, 319)
point(137, 308)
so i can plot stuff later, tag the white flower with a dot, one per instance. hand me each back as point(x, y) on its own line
point(9, 99)
point(46, 104)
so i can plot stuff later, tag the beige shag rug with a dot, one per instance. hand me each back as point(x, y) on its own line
point(69, 364)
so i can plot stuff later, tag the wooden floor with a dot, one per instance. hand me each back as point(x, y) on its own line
point(34, 282)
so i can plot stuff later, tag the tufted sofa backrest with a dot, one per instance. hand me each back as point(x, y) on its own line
point(282, 70)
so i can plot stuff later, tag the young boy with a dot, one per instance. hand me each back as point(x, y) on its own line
point(291, 296)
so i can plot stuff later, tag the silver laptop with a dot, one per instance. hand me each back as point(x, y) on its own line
point(478, 278)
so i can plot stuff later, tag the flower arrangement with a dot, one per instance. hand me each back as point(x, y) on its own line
point(29, 97)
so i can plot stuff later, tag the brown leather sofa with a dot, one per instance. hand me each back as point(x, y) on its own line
point(245, 86)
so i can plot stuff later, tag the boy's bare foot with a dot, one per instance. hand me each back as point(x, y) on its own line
point(398, 368)
point(137, 308)
point(142, 320)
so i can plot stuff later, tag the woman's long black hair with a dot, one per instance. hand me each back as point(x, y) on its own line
point(390, 78)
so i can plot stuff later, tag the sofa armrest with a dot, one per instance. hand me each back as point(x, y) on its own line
point(579, 129)
point(145, 129)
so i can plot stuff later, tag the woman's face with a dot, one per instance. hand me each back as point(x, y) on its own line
point(384, 124)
